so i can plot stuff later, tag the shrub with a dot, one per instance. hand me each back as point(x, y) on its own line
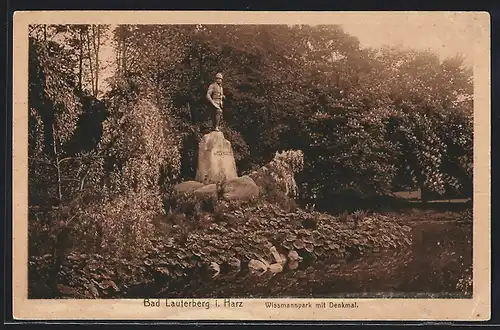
point(187, 204)
point(123, 224)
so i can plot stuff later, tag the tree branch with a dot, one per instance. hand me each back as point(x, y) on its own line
point(54, 138)
point(90, 61)
point(70, 219)
point(43, 208)
point(43, 161)
point(80, 158)
point(69, 179)
point(83, 180)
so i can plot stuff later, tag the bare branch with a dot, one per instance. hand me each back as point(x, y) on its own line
point(43, 161)
point(83, 180)
point(80, 158)
point(90, 61)
point(69, 179)
point(56, 154)
point(66, 159)
point(70, 219)
point(42, 207)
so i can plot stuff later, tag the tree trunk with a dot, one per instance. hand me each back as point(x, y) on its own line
point(118, 57)
point(57, 164)
point(96, 31)
point(97, 46)
point(124, 51)
point(80, 63)
point(90, 61)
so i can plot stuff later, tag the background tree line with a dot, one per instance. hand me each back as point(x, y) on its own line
point(368, 121)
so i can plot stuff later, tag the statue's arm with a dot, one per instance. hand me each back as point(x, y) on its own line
point(209, 95)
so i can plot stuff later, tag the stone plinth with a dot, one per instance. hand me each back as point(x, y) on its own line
point(215, 159)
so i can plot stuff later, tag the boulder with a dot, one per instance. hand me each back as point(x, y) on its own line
point(187, 187)
point(215, 159)
point(242, 188)
point(207, 191)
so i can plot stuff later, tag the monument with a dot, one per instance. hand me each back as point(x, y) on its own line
point(215, 159)
point(216, 163)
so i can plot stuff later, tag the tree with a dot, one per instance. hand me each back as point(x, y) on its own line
point(54, 109)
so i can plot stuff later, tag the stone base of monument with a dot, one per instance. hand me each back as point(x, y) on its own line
point(215, 159)
point(216, 164)
point(242, 189)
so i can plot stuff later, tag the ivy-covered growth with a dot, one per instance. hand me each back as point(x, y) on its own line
point(53, 115)
point(140, 152)
point(277, 179)
point(140, 146)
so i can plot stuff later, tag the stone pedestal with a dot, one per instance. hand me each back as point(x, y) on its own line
point(215, 159)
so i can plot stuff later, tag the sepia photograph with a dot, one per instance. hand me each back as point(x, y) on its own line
point(291, 167)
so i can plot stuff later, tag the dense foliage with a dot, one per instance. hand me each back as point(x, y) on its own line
point(397, 119)
point(241, 234)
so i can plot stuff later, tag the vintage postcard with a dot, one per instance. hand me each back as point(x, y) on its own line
point(251, 165)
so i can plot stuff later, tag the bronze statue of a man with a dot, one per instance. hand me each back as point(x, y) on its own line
point(215, 96)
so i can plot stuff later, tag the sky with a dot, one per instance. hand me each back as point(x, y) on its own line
point(443, 38)
point(446, 34)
